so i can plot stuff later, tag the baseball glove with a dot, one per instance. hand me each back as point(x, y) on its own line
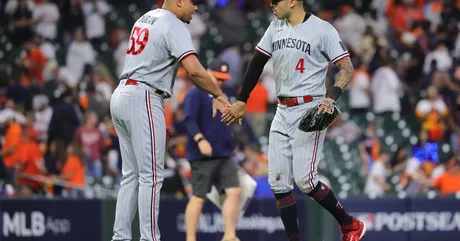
point(312, 121)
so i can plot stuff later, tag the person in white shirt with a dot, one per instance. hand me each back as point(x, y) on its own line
point(197, 28)
point(360, 100)
point(350, 27)
point(442, 58)
point(79, 54)
point(95, 12)
point(386, 90)
point(120, 53)
point(42, 115)
point(376, 184)
point(46, 15)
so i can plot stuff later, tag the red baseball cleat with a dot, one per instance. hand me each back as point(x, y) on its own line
point(354, 231)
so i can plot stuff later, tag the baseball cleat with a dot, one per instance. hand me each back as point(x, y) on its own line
point(354, 231)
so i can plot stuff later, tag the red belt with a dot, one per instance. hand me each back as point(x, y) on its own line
point(134, 82)
point(292, 101)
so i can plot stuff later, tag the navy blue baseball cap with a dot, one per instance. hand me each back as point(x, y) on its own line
point(219, 69)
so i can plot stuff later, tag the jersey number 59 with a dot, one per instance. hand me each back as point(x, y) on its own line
point(139, 38)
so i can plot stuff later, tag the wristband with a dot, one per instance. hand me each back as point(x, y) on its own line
point(335, 92)
point(200, 139)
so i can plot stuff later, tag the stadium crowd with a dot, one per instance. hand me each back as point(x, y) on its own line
point(57, 136)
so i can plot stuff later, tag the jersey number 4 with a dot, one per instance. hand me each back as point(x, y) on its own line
point(300, 65)
point(139, 39)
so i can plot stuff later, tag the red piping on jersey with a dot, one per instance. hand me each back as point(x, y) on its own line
point(263, 51)
point(152, 128)
point(340, 58)
point(184, 55)
point(313, 158)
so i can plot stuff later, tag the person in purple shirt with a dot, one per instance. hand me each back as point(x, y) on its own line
point(210, 147)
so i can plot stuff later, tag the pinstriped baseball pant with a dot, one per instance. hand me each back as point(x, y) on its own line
point(293, 155)
point(138, 117)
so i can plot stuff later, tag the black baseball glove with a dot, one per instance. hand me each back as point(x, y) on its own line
point(314, 121)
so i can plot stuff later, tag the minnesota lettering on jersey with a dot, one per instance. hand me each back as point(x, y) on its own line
point(291, 43)
point(147, 19)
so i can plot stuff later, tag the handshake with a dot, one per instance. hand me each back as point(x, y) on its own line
point(230, 112)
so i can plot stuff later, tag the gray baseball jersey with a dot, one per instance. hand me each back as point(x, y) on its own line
point(158, 42)
point(301, 56)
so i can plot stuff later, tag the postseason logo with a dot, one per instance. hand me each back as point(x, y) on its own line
point(411, 221)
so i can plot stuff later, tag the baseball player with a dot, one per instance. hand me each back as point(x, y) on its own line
point(302, 46)
point(159, 41)
point(210, 146)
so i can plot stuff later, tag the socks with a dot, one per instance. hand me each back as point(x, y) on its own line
point(288, 212)
point(324, 196)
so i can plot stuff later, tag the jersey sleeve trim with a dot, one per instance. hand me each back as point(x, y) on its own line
point(263, 51)
point(340, 57)
point(187, 53)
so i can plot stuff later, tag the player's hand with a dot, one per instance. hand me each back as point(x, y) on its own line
point(236, 113)
point(324, 106)
point(220, 103)
point(205, 148)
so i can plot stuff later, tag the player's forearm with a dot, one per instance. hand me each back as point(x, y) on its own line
point(203, 80)
point(343, 77)
point(252, 75)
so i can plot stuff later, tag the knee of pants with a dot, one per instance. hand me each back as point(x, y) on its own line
point(306, 184)
point(279, 187)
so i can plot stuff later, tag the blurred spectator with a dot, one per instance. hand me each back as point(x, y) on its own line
point(65, 120)
point(42, 115)
point(89, 137)
point(399, 160)
point(360, 100)
point(432, 112)
point(48, 50)
point(350, 27)
point(232, 55)
point(377, 22)
point(13, 139)
point(449, 182)
point(402, 16)
point(197, 28)
point(256, 109)
point(412, 57)
point(30, 160)
point(432, 12)
point(369, 148)
point(34, 62)
point(120, 51)
point(268, 80)
point(73, 171)
point(386, 89)
point(95, 12)
point(376, 184)
point(22, 21)
point(46, 14)
point(73, 20)
point(367, 46)
point(437, 60)
point(231, 20)
point(346, 129)
point(80, 54)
